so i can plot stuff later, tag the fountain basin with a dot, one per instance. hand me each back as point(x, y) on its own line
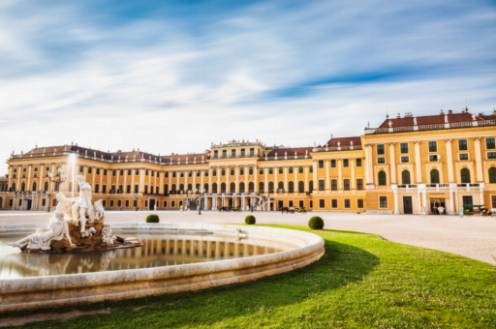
point(291, 250)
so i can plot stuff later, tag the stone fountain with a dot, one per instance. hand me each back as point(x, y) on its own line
point(77, 225)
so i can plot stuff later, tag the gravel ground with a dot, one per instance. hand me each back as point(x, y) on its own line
point(470, 236)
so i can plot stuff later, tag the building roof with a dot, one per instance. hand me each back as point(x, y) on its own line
point(344, 141)
point(289, 151)
point(443, 120)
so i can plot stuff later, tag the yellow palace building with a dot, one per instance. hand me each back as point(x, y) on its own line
point(410, 164)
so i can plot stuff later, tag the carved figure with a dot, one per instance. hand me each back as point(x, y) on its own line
point(57, 230)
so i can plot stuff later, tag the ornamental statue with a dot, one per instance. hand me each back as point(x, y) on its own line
point(76, 225)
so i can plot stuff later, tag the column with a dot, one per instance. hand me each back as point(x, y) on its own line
point(395, 199)
point(478, 160)
point(266, 180)
point(418, 164)
point(255, 178)
point(327, 182)
point(141, 181)
point(449, 161)
point(392, 164)
point(369, 176)
point(228, 178)
point(305, 173)
point(352, 182)
point(236, 179)
point(286, 179)
point(340, 174)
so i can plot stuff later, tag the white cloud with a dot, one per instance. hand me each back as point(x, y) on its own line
point(153, 84)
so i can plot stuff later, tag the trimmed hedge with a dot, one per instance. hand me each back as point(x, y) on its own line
point(250, 220)
point(316, 223)
point(152, 218)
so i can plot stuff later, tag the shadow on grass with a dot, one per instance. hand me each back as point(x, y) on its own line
point(341, 265)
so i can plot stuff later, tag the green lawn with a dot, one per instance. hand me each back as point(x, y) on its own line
point(361, 282)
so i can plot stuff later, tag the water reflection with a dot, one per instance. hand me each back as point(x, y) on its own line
point(154, 252)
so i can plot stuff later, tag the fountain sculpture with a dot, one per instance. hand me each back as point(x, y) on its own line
point(77, 225)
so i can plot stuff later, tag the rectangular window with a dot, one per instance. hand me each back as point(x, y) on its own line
point(383, 202)
point(463, 156)
point(404, 148)
point(360, 203)
point(462, 145)
point(321, 203)
point(321, 163)
point(243, 152)
point(493, 201)
point(358, 162)
point(346, 203)
point(280, 170)
point(224, 153)
point(433, 157)
point(321, 185)
point(359, 183)
point(252, 152)
point(136, 188)
point(233, 153)
point(490, 143)
point(346, 184)
point(334, 203)
point(271, 171)
point(300, 170)
point(381, 160)
point(290, 170)
point(346, 163)
point(380, 149)
point(334, 184)
point(104, 189)
point(405, 159)
point(333, 163)
point(491, 155)
point(432, 146)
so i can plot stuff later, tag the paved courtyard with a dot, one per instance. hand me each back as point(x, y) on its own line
point(470, 236)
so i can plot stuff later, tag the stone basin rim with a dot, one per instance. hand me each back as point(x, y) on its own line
point(51, 290)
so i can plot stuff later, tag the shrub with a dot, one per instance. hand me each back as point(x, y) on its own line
point(316, 223)
point(250, 220)
point(152, 218)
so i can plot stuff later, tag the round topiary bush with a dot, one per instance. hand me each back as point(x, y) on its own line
point(250, 220)
point(316, 223)
point(152, 218)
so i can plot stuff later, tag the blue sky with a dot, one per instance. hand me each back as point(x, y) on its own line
point(173, 76)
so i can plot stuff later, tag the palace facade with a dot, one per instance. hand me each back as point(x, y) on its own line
point(409, 164)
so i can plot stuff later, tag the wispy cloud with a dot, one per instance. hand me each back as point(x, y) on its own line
point(175, 76)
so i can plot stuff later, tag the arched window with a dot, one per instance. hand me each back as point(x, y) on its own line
point(465, 176)
point(280, 187)
point(242, 188)
point(205, 188)
point(492, 175)
point(190, 188)
point(214, 188)
point(310, 186)
point(251, 187)
point(405, 177)
point(271, 187)
point(45, 188)
point(291, 187)
point(435, 176)
point(23, 187)
point(301, 187)
point(232, 188)
point(223, 188)
point(381, 178)
point(13, 188)
point(261, 187)
point(34, 187)
point(181, 188)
